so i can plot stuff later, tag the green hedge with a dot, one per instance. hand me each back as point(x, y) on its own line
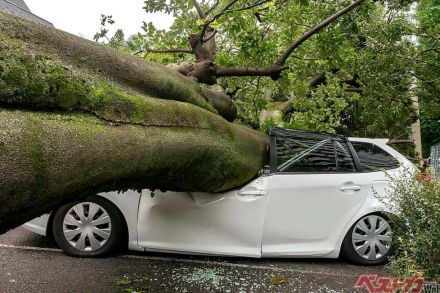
point(416, 230)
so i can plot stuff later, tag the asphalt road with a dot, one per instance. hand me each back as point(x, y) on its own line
point(32, 263)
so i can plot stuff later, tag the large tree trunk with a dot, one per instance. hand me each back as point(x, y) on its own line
point(103, 63)
point(79, 118)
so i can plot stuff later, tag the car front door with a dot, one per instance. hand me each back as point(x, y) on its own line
point(229, 223)
point(314, 190)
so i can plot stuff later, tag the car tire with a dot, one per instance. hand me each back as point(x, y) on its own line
point(92, 227)
point(368, 241)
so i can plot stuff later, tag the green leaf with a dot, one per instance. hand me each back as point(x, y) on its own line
point(277, 280)
point(124, 282)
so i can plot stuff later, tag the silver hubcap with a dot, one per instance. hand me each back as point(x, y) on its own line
point(371, 237)
point(87, 226)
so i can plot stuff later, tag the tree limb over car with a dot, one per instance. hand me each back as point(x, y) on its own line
point(81, 118)
point(77, 117)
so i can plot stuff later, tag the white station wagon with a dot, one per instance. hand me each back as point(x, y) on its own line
point(320, 198)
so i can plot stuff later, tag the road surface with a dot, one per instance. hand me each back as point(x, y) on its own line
point(32, 263)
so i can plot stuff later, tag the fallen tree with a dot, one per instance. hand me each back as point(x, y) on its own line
point(79, 118)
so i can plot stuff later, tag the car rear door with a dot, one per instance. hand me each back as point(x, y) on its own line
point(376, 157)
point(314, 190)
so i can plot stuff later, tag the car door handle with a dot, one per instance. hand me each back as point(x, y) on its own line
point(350, 187)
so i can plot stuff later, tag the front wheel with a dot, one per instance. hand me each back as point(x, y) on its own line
point(89, 228)
point(368, 241)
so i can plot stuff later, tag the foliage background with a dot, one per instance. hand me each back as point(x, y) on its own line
point(390, 49)
point(416, 231)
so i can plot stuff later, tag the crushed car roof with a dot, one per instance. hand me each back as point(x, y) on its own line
point(287, 132)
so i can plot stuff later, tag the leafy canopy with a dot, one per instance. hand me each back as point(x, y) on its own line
point(370, 62)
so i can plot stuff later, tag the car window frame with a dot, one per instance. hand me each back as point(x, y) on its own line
point(354, 156)
point(281, 132)
point(384, 150)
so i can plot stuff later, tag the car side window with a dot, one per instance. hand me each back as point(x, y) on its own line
point(305, 155)
point(373, 158)
point(313, 155)
point(345, 162)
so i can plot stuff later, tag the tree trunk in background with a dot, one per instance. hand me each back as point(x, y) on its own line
point(79, 118)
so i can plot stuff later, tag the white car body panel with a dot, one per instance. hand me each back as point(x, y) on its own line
point(228, 223)
point(309, 220)
point(128, 203)
point(38, 225)
point(279, 215)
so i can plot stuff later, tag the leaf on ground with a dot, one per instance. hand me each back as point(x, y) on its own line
point(277, 280)
point(131, 290)
point(123, 282)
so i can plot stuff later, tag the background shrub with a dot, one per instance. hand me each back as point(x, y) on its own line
point(416, 231)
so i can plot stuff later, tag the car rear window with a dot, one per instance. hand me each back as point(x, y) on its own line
point(374, 158)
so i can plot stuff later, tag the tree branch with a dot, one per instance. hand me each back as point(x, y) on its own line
point(212, 8)
point(282, 60)
point(199, 10)
point(165, 51)
point(255, 4)
point(227, 10)
point(320, 78)
point(272, 71)
point(437, 49)
point(210, 36)
point(430, 83)
point(214, 18)
point(254, 100)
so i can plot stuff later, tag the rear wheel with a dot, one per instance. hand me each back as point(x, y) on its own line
point(368, 242)
point(88, 228)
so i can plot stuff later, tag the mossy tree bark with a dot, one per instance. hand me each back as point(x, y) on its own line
point(79, 118)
